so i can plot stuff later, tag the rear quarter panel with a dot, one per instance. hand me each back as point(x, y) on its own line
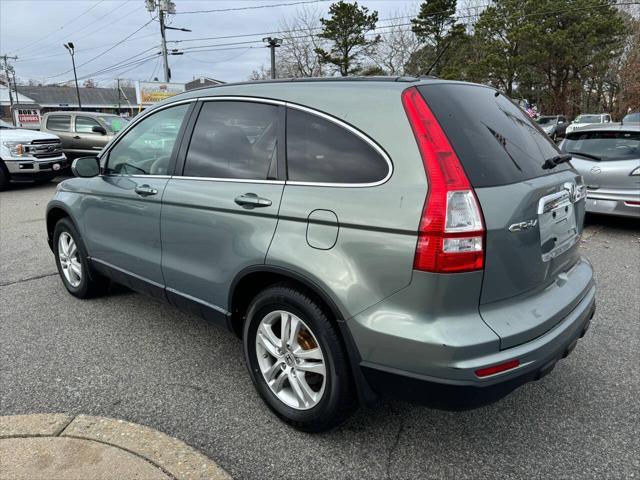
point(372, 257)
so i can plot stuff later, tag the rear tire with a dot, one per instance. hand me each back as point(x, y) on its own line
point(311, 388)
point(73, 266)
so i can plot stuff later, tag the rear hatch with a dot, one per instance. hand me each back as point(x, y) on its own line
point(606, 159)
point(533, 216)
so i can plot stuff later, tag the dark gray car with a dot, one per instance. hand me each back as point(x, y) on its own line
point(553, 125)
point(364, 238)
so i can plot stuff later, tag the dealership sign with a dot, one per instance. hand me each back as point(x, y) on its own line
point(148, 93)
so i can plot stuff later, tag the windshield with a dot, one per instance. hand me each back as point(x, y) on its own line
point(632, 117)
point(114, 123)
point(547, 120)
point(589, 119)
point(606, 145)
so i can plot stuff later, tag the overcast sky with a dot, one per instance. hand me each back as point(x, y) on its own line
point(35, 31)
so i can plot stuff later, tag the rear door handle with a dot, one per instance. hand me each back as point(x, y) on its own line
point(251, 200)
point(145, 190)
point(77, 137)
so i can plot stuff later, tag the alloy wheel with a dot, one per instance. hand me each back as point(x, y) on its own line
point(291, 360)
point(69, 257)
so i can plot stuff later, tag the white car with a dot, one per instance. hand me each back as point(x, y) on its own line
point(28, 155)
point(588, 119)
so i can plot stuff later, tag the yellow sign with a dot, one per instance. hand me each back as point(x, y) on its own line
point(148, 93)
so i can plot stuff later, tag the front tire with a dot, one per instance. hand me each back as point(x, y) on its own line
point(72, 263)
point(5, 178)
point(304, 379)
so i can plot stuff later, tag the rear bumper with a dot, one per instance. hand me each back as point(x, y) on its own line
point(426, 342)
point(614, 202)
point(537, 359)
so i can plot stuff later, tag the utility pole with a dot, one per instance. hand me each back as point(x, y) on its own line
point(273, 43)
point(7, 68)
point(164, 7)
point(118, 80)
point(69, 46)
point(167, 72)
point(15, 84)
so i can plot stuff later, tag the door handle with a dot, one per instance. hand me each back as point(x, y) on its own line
point(145, 190)
point(77, 137)
point(251, 200)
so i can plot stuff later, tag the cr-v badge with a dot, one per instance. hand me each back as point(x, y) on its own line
point(522, 226)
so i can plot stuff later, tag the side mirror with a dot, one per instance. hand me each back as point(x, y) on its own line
point(99, 129)
point(86, 167)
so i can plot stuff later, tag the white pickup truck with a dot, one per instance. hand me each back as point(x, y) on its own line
point(28, 155)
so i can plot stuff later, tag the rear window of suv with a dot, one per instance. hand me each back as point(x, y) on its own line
point(496, 141)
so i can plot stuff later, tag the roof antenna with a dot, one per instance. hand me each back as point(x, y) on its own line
point(446, 47)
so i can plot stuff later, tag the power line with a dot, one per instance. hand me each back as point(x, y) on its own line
point(233, 57)
point(254, 7)
point(106, 51)
point(39, 57)
point(60, 28)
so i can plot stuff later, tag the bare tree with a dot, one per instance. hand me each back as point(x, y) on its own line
point(297, 56)
point(396, 47)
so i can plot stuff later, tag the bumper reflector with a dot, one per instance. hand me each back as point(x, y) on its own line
point(485, 372)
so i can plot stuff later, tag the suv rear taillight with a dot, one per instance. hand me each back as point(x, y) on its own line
point(451, 234)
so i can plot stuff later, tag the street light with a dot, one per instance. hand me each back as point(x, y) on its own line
point(69, 46)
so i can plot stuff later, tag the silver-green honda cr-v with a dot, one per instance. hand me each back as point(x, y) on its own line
point(413, 237)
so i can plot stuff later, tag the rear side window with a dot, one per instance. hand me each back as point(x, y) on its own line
point(605, 145)
point(496, 142)
point(234, 140)
point(86, 124)
point(321, 151)
point(60, 123)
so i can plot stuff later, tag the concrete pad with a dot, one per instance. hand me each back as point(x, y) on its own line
point(37, 425)
point(173, 455)
point(52, 458)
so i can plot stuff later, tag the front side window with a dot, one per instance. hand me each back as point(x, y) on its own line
point(86, 124)
point(60, 123)
point(146, 149)
point(321, 151)
point(234, 140)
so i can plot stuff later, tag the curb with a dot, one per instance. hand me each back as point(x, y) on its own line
point(176, 459)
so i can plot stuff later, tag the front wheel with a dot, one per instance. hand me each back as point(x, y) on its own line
point(297, 361)
point(4, 177)
point(72, 263)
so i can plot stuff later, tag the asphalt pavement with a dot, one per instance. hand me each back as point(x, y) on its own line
point(127, 356)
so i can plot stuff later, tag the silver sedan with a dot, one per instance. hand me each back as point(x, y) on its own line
point(608, 157)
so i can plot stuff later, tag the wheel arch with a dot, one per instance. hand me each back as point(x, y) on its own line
point(251, 280)
point(56, 212)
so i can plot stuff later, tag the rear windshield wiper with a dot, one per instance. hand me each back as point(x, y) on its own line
point(553, 162)
point(587, 155)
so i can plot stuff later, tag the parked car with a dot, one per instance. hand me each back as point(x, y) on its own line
point(28, 155)
point(376, 236)
point(588, 119)
point(608, 157)
point(631, 118)
point(553, 125)
point(82, 133)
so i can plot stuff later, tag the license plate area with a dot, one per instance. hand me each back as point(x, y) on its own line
point(558, 226)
